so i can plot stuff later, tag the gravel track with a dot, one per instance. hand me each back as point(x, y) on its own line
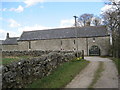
point(108, 79)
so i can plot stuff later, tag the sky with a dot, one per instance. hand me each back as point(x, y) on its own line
point(16, 16)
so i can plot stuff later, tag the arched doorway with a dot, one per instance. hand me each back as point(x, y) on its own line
point(94, 51)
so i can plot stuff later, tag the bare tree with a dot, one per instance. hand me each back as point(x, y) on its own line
point(85, 19)
point(112, 20)
point(96, 21)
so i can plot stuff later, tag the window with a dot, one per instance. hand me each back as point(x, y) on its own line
point(61, 42)
point(29, 45)
point(94, 39)
point(74, 41)
point(61, 45)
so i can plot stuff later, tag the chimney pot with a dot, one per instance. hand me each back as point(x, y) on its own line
point(7, 36)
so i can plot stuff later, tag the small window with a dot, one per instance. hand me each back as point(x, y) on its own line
point(74, 48)
point(74, 41)
point(93, 38)
point(61, 42)
point(29, 45)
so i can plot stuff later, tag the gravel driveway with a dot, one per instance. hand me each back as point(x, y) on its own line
point(109, 78)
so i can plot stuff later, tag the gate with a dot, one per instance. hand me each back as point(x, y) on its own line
point(94, 51)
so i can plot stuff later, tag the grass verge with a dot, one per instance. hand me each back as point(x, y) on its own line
point(61, 76)
point(8, 60)
point(117, 63)
point(97, 74)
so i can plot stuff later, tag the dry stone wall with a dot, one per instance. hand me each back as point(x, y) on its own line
point(25, 71)
point(24, 53)
point(34, 53)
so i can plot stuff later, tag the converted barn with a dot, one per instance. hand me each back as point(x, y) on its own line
point(94, 40)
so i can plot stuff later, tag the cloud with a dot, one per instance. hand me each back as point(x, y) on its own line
point(3, 9)
point(12, 34)
point(32, 2)
point(13, 23)
point(19, 9)
point(32, 28)
point(67, 23)
point(108, 8)
point(2, 34)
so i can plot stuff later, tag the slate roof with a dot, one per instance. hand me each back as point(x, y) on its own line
point(87, 31)
point(1, 41)
point(10, 41)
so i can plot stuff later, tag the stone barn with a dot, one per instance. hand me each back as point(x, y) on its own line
point(94, 40)
point(10, 44)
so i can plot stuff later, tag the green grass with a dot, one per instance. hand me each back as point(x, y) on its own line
point(97, 74)
point(117, 62)
point(8, 60)
point(60, 76)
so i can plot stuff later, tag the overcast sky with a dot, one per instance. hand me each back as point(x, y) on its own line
point(16, 17)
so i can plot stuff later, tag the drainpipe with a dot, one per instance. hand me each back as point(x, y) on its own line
point(87, 45)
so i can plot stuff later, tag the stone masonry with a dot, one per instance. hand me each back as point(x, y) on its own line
point(20, 73)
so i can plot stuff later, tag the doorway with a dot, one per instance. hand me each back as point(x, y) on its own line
point(94, 51)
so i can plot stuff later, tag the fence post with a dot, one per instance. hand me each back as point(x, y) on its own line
point(82, 54)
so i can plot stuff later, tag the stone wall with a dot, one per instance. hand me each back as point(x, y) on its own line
point(69, 44)
point(23, 72)
point(23, 46)
point(59, 44)
point(24, 53)
point(10, 47)
point(102, 42)
point(34, 53)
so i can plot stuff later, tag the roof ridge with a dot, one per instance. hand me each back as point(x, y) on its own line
point(50, 29)
point(12, 37)
point(86, 31)
point(63, 28)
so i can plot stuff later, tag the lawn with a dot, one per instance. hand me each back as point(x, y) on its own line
point(60, 76)
point(8, 60)
point(117, 62)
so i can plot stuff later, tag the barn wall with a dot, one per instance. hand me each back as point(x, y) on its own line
point(102, 42)
point(23, 45)
point(68, 44)
point(10, 48)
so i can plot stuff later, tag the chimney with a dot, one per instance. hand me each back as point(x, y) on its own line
point(88, 23)
point(7, 36)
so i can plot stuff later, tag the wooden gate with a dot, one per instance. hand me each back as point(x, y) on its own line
point(94, 51)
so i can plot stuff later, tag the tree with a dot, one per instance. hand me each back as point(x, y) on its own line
point(112, 20)
point(96, 21)
point(85, 19)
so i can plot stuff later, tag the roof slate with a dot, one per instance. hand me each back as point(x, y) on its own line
point(87, 31)
point(1, 41)
point(10, 41)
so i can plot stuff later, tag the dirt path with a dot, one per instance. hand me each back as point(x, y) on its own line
point(109, 77)
point(84, 78)
point(107, 80)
